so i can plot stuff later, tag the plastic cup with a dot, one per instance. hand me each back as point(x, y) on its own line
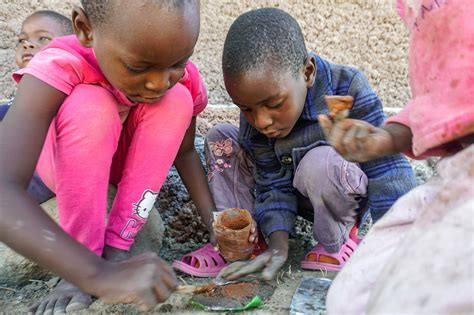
point(232, 229)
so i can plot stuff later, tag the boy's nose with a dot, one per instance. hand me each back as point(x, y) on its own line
point(262, 120)
point(158, 82)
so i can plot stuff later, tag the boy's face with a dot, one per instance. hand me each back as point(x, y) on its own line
point(143, 51)
point(271, 102)
point(36, 32)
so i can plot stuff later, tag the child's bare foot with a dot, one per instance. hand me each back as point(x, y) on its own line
point(66, 297)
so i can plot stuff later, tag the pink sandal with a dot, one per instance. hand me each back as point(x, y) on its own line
point(204, 262)
point(312, 259)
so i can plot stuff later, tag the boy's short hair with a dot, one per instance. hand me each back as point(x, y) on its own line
point(65, 22)
point(262, 38)
point(98, 10)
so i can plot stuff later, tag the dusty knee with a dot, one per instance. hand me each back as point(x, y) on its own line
point(90, 104)
point(312, 170)
point(221, 132)
point(178, 101)
point(323, 172)
point(91, 112)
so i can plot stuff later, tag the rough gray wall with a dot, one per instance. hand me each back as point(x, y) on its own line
point(364, 33)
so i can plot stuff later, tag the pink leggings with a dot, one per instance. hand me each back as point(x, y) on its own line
point(87, 147)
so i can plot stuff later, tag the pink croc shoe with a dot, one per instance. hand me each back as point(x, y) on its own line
point(312, 259)
point(204, 262)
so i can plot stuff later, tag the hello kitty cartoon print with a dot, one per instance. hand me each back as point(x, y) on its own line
point(143, 207)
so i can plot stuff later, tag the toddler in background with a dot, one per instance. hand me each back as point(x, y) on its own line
point(37, 30)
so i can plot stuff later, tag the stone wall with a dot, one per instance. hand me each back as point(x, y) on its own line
point(364, 33)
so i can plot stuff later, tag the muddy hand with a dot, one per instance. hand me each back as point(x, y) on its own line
point(268, 263)
point(356, 140)
point(144, 280)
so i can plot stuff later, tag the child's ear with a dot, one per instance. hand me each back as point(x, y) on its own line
point(82, 26)
point(310, 69)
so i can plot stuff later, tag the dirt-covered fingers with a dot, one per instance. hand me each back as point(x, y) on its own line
point(355, 139)
point(228, 271)
point(241, 269)
point(273, 266)
point(253, 237)
point(326, 124)
point(165, 281)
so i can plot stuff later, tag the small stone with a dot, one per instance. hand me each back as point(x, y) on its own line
point(51, 283)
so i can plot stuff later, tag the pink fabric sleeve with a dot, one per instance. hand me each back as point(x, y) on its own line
point(56, 67)
point(403, 118)
point(192, 80)
point(441, 67)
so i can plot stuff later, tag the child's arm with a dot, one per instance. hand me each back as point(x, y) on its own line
point(191, 171)
point(359, 141)
point(27, 229)
point(389, 174)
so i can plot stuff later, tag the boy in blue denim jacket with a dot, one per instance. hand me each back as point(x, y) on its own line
point(278, 163)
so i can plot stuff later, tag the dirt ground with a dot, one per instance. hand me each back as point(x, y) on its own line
point(16, 300)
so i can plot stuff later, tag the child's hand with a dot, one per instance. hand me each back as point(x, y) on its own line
point(253, 237)
point(357, 140)
point(269, 263)
point(144, 280)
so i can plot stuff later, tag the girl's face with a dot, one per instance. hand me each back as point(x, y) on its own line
point(36, 32)
point(143, 51)
point(272, 103)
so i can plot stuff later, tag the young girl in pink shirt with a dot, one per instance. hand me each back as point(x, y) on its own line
point(418, 258)
point(116, 103)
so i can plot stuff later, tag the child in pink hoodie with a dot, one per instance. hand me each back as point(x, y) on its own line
point(419, 256)
point(117, 102)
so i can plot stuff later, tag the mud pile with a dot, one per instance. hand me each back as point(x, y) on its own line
point(235, 294)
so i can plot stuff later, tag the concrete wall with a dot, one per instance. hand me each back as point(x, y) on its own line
point(364, 33)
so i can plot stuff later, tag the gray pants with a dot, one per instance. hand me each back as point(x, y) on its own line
point(328, 187)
